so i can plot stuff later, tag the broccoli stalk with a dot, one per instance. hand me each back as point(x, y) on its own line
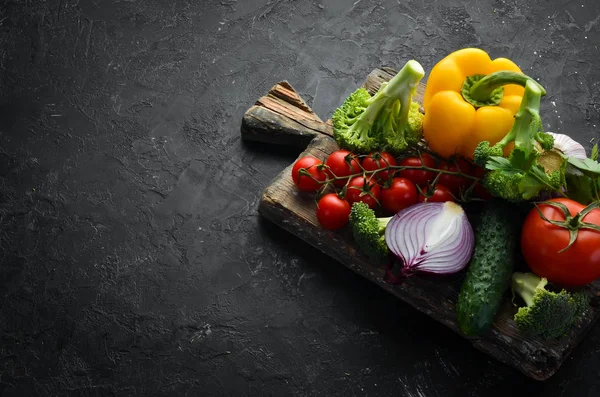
point(547, 314)
point(522, 175)
point(388, 120)
point(368, 231)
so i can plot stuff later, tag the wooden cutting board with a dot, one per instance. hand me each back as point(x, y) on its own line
point(282, 117)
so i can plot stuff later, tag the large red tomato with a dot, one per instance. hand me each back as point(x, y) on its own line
point(541, 242)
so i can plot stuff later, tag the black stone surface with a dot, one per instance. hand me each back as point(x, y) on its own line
point(133, 261)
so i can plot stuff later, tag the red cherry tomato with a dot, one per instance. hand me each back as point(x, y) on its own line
point(401, 194)
point(342, 163)
point(541, 242)
point(479, 190)
point(456, 183)
point(440, 194)
point(312, 165)
point(333, 212)
point(358, 190)
point(418, 177)
point(477, 171)
point(378, 160)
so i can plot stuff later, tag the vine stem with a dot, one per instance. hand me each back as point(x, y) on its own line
point(370, 174)
point(304, 172)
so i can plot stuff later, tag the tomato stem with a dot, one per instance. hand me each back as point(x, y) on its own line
point(573, 223)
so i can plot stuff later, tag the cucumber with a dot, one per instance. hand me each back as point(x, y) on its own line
point(491, 267)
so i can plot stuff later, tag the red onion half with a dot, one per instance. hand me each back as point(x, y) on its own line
point(431, 237)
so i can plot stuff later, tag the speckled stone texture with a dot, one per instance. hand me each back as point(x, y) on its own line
point(132, 258)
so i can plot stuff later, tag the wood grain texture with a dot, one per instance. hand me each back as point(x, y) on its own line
point(282, 117)
point(294, 211)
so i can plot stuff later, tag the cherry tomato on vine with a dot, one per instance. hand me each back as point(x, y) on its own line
point(480, 190)
point(401, 194)
point(377, 160)
point(440, 194)
point(342, 163)
point(359, 190)
point(333, 212)
point(313, 166)
point(456, 183)
point(541, 243)
point(418, 177)
point(477, 171)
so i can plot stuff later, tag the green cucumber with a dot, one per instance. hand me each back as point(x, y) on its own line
point(491, 267)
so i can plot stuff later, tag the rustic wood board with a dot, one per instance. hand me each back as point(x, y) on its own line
point(282, 117)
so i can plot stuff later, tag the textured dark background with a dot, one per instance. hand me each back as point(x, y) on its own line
point(133, 261)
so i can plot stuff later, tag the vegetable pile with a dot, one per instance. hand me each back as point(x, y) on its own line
point(466, 183)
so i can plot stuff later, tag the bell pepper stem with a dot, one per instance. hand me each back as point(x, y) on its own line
point(487, 90)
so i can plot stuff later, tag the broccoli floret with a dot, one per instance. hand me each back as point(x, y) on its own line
point(368, 231)
point(504, 185)
point(555, 179)
point(484, 151)
point(388, 120)
point(547, 314)
point(516, 185)
point(351, 131)
point(521, 176)
point(545, 140)
point(396, 138)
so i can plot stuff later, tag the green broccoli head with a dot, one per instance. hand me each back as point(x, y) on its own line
point(547, 314)
point(350, 129)
point(402, 130)
point(368, 231)
point(363, 123)
point(504, 185)
point(414, 132)
point(517, 186)
point(545, 140)
point(555, 179)
point(523, 175)
point(484, 151)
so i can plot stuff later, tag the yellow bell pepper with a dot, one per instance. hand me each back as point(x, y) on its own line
point(470, 98)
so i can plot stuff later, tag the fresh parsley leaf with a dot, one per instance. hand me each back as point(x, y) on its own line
point(587, 165)
point(502, 164)
point(534, 181)
point(580, 187)
point(530, 187)
point(520, 159)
